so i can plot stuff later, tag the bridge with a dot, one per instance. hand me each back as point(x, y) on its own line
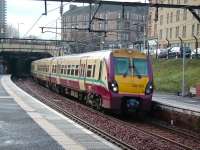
point(52, 47)
point(19, 53)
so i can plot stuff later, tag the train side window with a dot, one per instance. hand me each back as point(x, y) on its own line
point(83, 73)
point(80, 70)
point(100, 69)
point(61, 70)
point(65, 69)
point(89, 70)
point(72, 70)
point(76, 70)
point(68, 69)
point(94, 66)
point(52, 69)
point(56, 68)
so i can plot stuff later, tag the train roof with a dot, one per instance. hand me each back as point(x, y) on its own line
point(94, 54)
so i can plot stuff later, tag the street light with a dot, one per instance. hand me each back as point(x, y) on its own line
point(183, 67)
point(18, 24)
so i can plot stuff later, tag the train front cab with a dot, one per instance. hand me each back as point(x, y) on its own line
point(131, 82)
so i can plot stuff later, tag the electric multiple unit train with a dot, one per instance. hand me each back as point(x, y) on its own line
point(119, 80)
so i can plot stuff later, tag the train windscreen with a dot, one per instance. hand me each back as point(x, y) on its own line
point(124, 66)
point(139, 67)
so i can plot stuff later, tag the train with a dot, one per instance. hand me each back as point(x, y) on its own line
point(119, 80)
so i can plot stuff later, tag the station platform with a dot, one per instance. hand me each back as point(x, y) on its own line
point(185, 103)
point(26, 123)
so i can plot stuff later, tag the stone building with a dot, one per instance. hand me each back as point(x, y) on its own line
point(120, 30)
point(173, 24)
point(2, 18)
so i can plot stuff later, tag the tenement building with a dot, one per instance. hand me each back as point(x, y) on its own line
point(2, 18)
point(171, 25)
point(111, 27)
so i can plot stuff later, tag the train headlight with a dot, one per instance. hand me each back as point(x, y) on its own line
point(114, 86)
point(149, 88)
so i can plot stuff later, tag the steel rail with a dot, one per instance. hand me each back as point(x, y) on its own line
point(92, 128)
point(104, 134)
point(175, 130)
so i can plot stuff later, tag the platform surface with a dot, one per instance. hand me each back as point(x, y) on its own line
point(177, 101)
point(26, 123)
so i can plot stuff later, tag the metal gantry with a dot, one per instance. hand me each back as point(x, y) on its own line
point(191, 8)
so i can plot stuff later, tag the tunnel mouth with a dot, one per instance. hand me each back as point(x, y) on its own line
point(18, 64)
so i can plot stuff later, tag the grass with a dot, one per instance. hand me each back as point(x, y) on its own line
point(168, 74)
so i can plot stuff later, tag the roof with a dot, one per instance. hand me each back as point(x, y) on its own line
point(104, 8)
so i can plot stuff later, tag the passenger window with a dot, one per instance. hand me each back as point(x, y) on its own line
point(68, 69)
point(72, 70)
point(89, 70)
point(65, 69)
point(94, 70)
point(76, 70)
point(83, 71)
point(100, 69)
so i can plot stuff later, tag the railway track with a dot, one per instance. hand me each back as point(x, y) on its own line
point(89, 126)
point(144, 129)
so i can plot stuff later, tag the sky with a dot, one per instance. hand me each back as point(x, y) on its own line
point(24, 14)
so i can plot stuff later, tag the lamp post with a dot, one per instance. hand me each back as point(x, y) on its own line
point(183, 67)
point(18, 24)
point(196, 45)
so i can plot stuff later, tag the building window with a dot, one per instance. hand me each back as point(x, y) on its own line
point(193, 27)
point(178, 2)
point(177, 31)
point(185, 1)
point(127, 15)
point(171, 17)
point(170, 33)
point(172, 1)
point(177, 15)
point(161, 19)
point(198, 29)
point(161, 34)
point(167, 18)
point(155, 29)
point(185, 14)
point(167, 32)
point(184, 31)
point(119, 15)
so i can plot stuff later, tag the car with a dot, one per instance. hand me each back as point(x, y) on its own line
point(193, 53)
point(163, 53)
point(178, 52)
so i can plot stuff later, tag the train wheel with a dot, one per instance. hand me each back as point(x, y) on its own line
point(81, 96)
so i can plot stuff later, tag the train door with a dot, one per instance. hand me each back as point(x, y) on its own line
point(82, 73)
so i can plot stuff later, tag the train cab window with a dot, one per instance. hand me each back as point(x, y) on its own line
point(140, 67)
point(94, 70)
point(122, 66)
point(89, 70)
point(68, 69)
point(76, 70)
